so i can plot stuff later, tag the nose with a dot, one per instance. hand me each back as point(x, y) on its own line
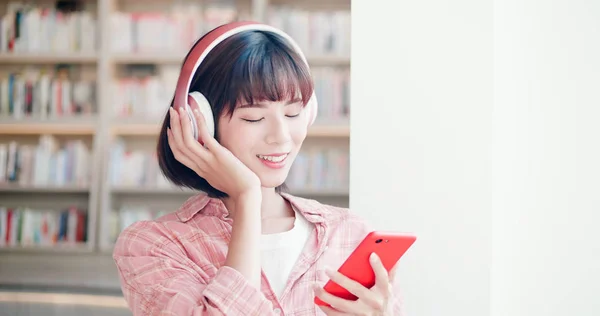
point(278, 131)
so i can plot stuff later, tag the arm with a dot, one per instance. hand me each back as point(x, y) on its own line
point(158, 278)
point(244, 252)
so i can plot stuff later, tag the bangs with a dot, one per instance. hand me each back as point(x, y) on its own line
point(270, 72)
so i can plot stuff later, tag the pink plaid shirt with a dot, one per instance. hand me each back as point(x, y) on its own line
point(174, 265)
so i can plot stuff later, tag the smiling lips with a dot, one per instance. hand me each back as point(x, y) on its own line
point(274, 161)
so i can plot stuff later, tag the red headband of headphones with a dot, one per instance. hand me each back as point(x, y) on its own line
point(195, 100)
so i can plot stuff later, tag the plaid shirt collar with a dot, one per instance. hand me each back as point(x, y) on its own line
point(201, 203)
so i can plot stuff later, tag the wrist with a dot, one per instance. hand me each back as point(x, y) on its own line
point(248, 197)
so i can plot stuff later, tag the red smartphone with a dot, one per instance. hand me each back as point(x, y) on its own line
point(389, 246)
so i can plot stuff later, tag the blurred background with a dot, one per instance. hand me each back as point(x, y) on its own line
point(83, 86)
point(474, 125)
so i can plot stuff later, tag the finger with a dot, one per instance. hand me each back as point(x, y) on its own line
point(366, 296)
point(330, 311)
point(179, 156)
point(352, 286)
point(176, 129)
point(337, 303)
point(381, 274)
point(188, 139)
point(185, 149)
point(209, 141)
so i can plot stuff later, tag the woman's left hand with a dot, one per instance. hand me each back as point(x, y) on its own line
point(372, 302)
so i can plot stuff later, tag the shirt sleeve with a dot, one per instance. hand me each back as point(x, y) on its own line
point(157, 278)
point(396, 303)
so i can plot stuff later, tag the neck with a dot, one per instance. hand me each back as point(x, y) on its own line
point(273, 205)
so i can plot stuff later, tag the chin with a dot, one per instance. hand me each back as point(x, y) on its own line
point(271, 180)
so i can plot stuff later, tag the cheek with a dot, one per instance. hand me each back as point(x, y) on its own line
point(236, 138)
point(298, 133)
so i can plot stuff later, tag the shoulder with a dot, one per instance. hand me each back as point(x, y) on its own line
point(346, 226)
point(345, 217)
point(193, 219)
point(142, 238)
point(164, 234)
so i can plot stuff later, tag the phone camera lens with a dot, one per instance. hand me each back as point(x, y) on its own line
point(378, 240)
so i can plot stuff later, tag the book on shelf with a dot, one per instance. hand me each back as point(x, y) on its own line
point(28, 28)
point(145, 92)
point(25, 227)
point(332, 89)
point(134, 168)
point(313, 169)
point(126, 215)
point(320, 169)
point(175, 30)
point(46, 164)
point(45, 93)
point(316, 32)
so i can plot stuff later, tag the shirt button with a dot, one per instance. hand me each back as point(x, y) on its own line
point(277, 311)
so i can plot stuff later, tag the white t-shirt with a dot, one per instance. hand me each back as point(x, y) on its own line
point(280, 251)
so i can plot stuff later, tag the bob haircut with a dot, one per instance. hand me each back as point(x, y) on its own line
point(248, 67)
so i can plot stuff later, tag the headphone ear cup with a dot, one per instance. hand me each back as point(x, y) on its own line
point(313, 108)
point(198, 100)
point(193, 123)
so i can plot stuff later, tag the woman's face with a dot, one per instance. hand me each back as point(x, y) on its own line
point(266, 137)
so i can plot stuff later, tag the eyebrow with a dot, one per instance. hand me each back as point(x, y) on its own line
point(262, 105)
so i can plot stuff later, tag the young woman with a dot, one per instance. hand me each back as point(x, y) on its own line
point(243, 246)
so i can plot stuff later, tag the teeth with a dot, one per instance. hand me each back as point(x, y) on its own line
point(272, 158)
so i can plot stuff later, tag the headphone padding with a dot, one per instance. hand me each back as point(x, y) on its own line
point(313, 109)
point(199, 101)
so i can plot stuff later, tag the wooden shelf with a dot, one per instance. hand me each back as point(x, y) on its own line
point(327, 192)
point(153, 129)
point(15, 188)
point(147, 58)
point(45, 265)
point(48, 58)
point(329, 131)
point(176, 191)
point(67, 126)
point(88, 300)
point(166, 58)
point(151, 191)
point(58, 248)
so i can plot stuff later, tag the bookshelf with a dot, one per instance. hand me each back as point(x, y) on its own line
point(102, 68)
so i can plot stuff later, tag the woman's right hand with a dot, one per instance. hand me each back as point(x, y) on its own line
point(213, 162)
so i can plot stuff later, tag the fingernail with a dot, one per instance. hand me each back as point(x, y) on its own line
point(181, 110)
point(373, 257)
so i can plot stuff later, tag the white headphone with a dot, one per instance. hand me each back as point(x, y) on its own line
point(196, 100)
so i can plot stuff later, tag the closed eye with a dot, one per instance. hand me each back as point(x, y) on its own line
point(252, 121)
point(293, 115)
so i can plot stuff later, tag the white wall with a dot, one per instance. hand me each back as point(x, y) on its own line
point(546, 180)
point(476, 125)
